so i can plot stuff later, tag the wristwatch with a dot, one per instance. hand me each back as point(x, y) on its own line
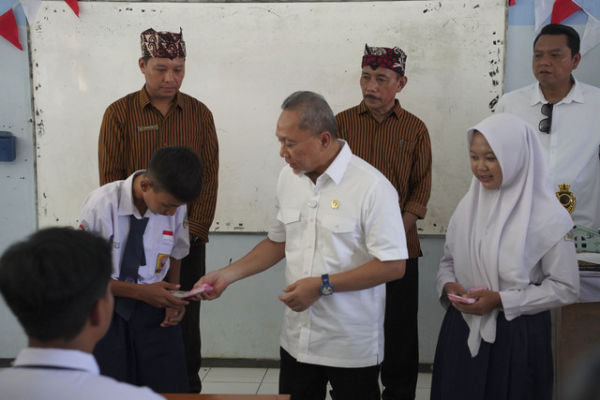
point(326, 288)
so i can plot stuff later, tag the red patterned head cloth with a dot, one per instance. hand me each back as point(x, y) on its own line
point(162, 44)
point(394, 59)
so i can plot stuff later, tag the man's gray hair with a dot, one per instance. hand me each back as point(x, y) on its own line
point(315, 114)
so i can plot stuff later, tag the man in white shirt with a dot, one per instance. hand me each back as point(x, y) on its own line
point(339, 226)
point(56, 283)
point(566, 114)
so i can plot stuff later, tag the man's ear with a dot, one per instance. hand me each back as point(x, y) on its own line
point(401, 83)
point(145, 184)
point(142, 65)
point(576, 59)
point(325, 138)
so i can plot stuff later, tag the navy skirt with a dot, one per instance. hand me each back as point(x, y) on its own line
point(517, 366)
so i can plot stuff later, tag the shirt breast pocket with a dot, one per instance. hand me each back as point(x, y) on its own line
point(291, 220)
point(342, 231)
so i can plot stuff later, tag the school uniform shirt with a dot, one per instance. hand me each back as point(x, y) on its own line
point(40, 374)
point(347, 218)
point(510, 239)
point(106, 211)
point(573, 144)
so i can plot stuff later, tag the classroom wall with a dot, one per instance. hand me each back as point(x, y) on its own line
point(245, 321)
point(17, 178)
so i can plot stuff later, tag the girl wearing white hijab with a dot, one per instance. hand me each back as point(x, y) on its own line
point(506, 243)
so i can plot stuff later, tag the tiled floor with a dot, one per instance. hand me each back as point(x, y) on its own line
point(264, 381)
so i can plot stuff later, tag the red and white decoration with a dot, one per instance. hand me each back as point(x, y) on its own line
point(8, 23)
point(559, 10)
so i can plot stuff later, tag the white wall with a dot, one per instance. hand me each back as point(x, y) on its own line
point(17, 182)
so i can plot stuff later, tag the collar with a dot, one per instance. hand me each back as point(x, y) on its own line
point(144, 98)
point(574, 95)
point(126, 206)
point(338, 166)
point(396, 110)
point(69, 359)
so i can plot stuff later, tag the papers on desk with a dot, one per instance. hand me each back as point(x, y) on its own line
point(593, 258)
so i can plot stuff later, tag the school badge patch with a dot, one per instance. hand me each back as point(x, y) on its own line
point(161, 261)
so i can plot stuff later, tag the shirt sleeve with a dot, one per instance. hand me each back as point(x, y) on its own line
point(202, 210)
point(181, 247)
point(445, 272)
point(384, 232)
point(90, 218)
point(501, 105)
point(277, 229)
point(110, 149)
point(560, 284)
point(420, 177)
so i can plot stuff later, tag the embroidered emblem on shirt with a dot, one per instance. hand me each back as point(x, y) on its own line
point(161, 261)
point(84, 226)
point(566, 197)
point(335, 204)
point(147, 128)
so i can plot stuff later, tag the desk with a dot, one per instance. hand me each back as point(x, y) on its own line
point(577, 332)
point(188, 396)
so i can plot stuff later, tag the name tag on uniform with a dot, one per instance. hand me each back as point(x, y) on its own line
point(147, 128)
point(167, 235)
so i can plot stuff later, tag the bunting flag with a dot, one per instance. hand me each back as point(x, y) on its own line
point(74, 6)
point(8, 28)
point(30, 8)
point(591, 35)
point(563, 9)
point(543, 11)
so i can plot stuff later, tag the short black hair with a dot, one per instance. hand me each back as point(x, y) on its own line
point(52, 280)
point(559, 29)
point(315, 114)
point(176, 170)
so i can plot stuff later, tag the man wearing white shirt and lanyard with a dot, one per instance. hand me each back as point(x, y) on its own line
point(566, 114)
point(340, 229)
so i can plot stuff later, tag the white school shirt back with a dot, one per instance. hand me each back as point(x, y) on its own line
point(45, 374)
point(573, 144)
point(106, 211)
point(348, 217)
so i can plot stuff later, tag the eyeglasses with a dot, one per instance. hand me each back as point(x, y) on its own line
point(546, 123)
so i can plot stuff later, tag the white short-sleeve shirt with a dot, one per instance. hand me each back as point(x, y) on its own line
point(106, 211)
point(350, 216)
point(44, 373)
point(573, 144)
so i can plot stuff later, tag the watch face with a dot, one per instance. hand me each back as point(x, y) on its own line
point(326, 290)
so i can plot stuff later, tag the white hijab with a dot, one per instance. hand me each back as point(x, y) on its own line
point(502, 234)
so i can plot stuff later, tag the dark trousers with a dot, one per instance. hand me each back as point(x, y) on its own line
point(309, 381)
point(192, 268)
point(143, 353)
point(400, 367)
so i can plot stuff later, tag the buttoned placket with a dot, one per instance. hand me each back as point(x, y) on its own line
point(311, 209)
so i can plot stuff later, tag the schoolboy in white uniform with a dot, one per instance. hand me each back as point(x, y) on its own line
point(144, 218)
point(56, 283)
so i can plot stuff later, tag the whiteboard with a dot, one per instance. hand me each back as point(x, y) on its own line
point(243, 60)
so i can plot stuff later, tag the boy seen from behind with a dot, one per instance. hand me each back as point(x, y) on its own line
point(56, 284)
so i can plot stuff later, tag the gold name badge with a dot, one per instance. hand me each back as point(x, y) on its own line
point(147, 128)
point(566, 197)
